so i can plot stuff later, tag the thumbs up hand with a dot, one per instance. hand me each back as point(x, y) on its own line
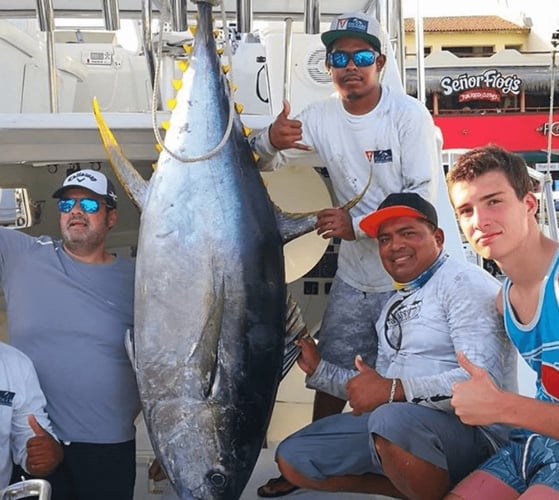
point(44, 452)
point(475, 400)
point(367, 389)
point(286, 133)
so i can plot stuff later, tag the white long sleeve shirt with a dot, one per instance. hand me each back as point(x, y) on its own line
point(397, 140)
point(20, 397)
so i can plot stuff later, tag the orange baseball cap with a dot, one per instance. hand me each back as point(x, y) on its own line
point(399, 205)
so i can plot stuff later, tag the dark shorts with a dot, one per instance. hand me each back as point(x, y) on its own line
point(527, 460)
point(341, 444)
point(93, 472)
point(348, 325)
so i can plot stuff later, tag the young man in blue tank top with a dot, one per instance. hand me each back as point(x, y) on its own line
point(491, 192)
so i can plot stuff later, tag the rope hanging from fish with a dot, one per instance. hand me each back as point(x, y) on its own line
point(155, 93)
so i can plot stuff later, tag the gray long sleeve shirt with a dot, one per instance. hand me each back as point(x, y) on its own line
point(454, 311)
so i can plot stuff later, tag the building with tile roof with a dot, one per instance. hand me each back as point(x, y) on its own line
point(484, 82)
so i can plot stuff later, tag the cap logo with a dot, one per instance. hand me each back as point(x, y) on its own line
point(354, 24)
point(80, 177)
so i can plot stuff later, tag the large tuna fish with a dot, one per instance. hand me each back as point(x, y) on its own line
point(210, 288)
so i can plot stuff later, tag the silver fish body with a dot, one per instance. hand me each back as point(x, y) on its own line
point(210, 293)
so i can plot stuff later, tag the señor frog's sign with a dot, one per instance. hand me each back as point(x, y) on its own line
point(487, 86)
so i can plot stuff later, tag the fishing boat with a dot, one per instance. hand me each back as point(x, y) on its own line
point(57, 55)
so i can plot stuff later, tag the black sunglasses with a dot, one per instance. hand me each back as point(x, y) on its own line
point(361, 58)
point(87, 205)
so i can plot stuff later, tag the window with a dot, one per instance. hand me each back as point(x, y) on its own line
point(482, 51)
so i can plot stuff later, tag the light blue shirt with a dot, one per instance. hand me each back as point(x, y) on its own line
point(71, 318)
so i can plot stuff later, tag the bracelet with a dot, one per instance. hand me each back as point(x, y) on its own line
point(392, 390)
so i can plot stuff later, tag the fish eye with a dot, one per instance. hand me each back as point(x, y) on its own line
point(217, 479)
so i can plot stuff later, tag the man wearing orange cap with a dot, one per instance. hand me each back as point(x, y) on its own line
point(402, 437)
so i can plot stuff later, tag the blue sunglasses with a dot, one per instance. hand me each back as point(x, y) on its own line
point(361, 58)
point(87, 205)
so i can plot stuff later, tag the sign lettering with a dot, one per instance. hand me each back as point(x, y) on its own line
point(489, 79)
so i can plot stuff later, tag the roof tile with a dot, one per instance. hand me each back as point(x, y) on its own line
point(464, 24)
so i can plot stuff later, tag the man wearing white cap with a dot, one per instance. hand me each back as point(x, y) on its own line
point(69, 304)
point(367, 126)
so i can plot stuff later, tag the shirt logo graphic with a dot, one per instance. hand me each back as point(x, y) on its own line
point(383, 156)
point(6, 398)
point(550, 380)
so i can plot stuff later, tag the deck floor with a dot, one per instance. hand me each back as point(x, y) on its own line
point(265, 469)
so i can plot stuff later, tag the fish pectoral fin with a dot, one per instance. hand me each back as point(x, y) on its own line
point(130, 348)
point(206, 353)
point(292, 225)
point(132, 182)
point(295, 328)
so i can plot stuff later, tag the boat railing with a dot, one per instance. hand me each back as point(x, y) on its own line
point(24, 489)
point(547, 213)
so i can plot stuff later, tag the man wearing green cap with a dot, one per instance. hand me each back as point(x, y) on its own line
point(370, 124)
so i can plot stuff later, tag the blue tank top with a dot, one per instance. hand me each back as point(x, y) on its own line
point(538, 341)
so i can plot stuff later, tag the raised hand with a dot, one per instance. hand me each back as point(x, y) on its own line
point(44, 453)
point(285, 133)
point(335, 223)
point(475, 401)
point(368, 390)
point(309, 358)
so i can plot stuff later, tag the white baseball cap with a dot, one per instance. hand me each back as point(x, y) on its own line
point(93, 181)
